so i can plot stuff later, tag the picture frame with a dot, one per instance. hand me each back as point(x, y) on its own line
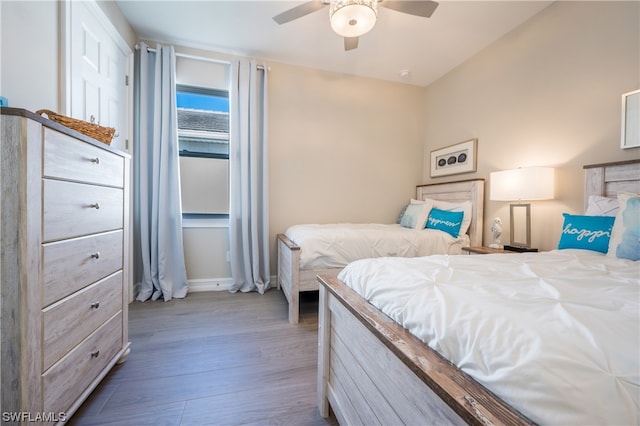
point(454, 159)
point(630, 130)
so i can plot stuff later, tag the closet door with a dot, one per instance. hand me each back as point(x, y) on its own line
point(98, 65)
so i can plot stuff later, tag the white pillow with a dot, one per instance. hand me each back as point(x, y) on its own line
point(602, 206)
point(625, 237)
point(416, 215)
point(464, 206)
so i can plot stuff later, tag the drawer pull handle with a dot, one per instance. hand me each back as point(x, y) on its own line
point(95, 305)
point(94, 206)
point(95, 354)
point(95, 255)
point(95, 160)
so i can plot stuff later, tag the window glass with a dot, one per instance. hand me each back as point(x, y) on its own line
point(203, 131)
point(205, 185)
point(203, 121)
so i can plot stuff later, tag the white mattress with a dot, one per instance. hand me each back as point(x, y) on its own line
point(335, 245)
point(556, 335)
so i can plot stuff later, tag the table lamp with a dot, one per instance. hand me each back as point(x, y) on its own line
point(522, 184)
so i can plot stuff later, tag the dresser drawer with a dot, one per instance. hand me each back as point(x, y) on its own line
point(69, 158)
point(70, 265)
point(75, 209)
point(66, 380)
point(69, 321)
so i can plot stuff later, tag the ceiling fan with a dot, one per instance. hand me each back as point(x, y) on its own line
point(353, 18)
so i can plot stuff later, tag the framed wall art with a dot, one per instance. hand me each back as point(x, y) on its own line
point(630, 132)
point(454, 159)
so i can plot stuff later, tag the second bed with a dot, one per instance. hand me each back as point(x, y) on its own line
point(305, 251)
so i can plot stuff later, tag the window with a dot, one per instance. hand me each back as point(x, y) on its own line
point(203, 122)
point(203, 136)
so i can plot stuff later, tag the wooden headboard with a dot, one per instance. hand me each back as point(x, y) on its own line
point(610, 178)
point(464, 190)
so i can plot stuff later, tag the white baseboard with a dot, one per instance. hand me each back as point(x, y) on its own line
point(210, 284)
point(216, 284)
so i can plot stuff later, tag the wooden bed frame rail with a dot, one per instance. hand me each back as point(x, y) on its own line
point(373, 371)
point(291, 279)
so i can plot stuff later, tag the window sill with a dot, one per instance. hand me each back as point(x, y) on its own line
point(205, 222)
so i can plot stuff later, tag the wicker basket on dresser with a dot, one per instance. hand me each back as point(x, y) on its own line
point(64, 268)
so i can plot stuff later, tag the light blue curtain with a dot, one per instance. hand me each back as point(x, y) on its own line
point(248, 161)
point(159, 255)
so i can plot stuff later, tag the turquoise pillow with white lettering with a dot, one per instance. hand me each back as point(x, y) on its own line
point(446, 221)
point(586, 232)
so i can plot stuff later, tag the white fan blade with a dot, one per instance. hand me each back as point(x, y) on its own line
point(350, 43)
point(424, 8)
point(299, 11)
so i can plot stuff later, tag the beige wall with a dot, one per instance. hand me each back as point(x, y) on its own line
point(341, 148)
point(546, 94)
point(29, 52)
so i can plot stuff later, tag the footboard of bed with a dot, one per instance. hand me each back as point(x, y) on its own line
point(372, 371)
point(291, 279)
point(289, 274)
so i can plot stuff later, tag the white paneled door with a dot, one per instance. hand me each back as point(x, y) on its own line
point(98, 64)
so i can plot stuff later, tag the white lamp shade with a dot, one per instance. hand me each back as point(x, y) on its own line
point(527, 183)
point(353, 18)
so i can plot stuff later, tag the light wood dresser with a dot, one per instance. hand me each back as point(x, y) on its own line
point(64, 240)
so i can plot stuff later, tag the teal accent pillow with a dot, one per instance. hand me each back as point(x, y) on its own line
point(404, 209)
point(446, 221)
point(586, 232)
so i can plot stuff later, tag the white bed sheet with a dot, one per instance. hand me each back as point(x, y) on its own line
point(556, 334)
point(335, 245)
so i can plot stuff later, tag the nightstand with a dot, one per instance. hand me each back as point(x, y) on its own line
point(490, 250)
point(520, 249)
point(484, 250)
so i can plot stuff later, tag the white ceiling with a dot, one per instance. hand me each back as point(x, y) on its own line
point(427, 47)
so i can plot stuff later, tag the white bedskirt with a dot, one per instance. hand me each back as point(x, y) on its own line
point(335, 245)
point(556, 334)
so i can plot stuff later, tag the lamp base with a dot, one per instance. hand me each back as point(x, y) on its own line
point(520, 249)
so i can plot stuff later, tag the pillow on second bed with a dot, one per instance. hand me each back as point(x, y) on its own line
point(415, 215)
point(417, 212)
point(404, 209)
point(602, 206)
point(586, 232)
point(449, 222)
point(464, 207)
point(625, 239)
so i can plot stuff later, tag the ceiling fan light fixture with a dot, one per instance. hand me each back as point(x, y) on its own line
point(353, 18)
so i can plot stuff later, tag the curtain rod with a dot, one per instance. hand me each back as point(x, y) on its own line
point(199, 58)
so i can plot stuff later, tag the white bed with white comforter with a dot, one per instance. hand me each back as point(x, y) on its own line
point(336, 245)
point(556, 335)
point(503, 339)
point(308, 250)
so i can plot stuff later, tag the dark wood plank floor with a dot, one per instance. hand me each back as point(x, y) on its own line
point(213, 359)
